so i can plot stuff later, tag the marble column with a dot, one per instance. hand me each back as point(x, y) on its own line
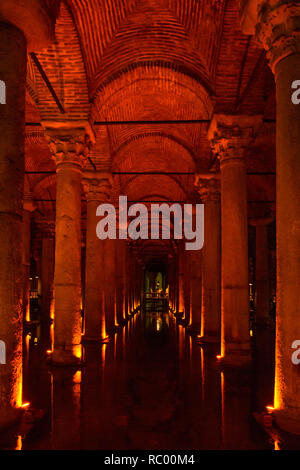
point(97, 189)
point(180, 263)
point(28, 208)
point(276, 26)
point(110, 284)
point(230, 137)
point(120, 279)
point(12, 122)
point(47, 229)
point(261, 269)
point(209, 190)
point(16, 37)
point(69, 148)
point(196, 291)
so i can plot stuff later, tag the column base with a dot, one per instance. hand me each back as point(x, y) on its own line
point(236, 359)
point(9, 417)
point(288, 421)
point(63, 357)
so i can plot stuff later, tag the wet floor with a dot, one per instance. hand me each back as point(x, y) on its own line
point(151, 387)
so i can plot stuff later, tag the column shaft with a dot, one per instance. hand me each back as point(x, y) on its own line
point(235, 315)
point(12, 128)
point(67, 277)
point(287, 379)
point(262, 274)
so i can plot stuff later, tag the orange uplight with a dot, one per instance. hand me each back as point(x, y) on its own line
point(270, 408)
point(25, 405)
point(19, 443)
point(219, 356)
point(49, 351)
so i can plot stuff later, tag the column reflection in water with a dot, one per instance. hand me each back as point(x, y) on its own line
point(239, 430)
point(66, 408)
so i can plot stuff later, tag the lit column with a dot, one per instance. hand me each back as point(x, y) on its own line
point(69, 148)
point(28, 208)
point(47, 229)
point(110, 284)
point(187, 287)
point(120, 279)
point(196, 291)
point(277, 28)
point(262, 269)
point(180, 264)
point(209, 189)
point(230, 136)
point(97, 189)
point(15, 35)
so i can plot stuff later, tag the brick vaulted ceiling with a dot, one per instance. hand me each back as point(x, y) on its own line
point(150, 60)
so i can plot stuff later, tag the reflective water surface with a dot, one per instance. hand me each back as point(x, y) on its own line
point(151, 387)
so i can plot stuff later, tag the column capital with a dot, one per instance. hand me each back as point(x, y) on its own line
point(276, 25)
point(97, 186)
point(255, 221)
point(28, 204)
point(230, 135)
point(209, 189)
point(46, 227)
point(69, 142)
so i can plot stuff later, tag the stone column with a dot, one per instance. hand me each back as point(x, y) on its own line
point(262, 269)
point(28, 208)
point(12, 122)
point(97, 189)
point(47, 229)
point(15, 35)
point(180, 263)
point(110, 284)
point(277, 27)
point(196, 291)
point(69, 148)
point(120, 279)
point(209, 190)
point(230, 136)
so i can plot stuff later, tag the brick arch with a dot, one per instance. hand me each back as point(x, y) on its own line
point(163, 187)
point(119, 98)
point(154, 152)
point(64, 66)
point(163, 140)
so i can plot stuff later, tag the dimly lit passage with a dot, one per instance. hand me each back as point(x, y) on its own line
point(173, 323)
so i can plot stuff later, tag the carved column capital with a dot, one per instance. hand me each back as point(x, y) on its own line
point(275, 24)
point(230, 136)
point(97, 186)
point(45, 227)
point(209, 189)
point(69, 144)
point(278, 29)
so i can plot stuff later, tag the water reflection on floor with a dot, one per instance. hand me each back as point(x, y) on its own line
point(151, 387)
